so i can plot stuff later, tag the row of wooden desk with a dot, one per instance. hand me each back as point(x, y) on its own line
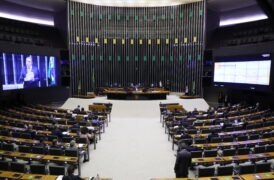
point(225, 144)
point(23, 176)
point(255, 176)
point(229, 159)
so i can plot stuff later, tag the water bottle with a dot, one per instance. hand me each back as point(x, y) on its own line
point(97, 177)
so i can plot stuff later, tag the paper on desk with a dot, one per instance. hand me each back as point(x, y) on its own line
point(59, 177)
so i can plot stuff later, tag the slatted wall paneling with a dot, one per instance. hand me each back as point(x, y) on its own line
point(116, 46)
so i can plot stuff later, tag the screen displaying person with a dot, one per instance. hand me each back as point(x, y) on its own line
point(30, 75)
point(51, 71)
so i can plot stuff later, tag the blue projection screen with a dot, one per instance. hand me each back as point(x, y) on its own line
point(20, 71)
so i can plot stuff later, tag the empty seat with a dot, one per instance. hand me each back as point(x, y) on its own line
point(200, 141)
point(224, 170)
point(56, 170)
point(263, 167)
point(206, 171)
point(259, 149)
point(210, 153)
point(8, 147)
point(25, 149)
point(216, 140)
point(55, 151)
point(17, 167)
point(242, 138)
point(228, 138)
point(242, 151)
point(38, 150)
point(196, 154)
point(247, 169)
point(4, 165)
point(37, 169)
point(269, 148)
point(229, 152)
point(254, 136)
point(72, 153)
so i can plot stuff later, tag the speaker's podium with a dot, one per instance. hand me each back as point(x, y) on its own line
point(189, 96)
point(89, 95)
point(97, 108)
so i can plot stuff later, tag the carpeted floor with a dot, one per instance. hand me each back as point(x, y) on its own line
point(134, 146)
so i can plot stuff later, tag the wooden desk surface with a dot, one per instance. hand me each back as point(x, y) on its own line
point(38, 177)
point(266, 175)
point(234, 143)
point(235, 177)
point(61, 158)
point(173, 179)
point(207, 160)
point(11, 175)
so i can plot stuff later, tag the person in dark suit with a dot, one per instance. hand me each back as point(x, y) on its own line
point(30, 74)
point(183, 162)
point(70, 175)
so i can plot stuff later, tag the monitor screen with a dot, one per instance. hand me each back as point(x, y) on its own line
point(249, 71)
point(20, 71)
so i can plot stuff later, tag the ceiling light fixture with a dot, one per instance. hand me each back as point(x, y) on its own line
point(27, 19)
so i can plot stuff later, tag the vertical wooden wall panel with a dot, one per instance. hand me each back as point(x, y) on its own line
point(117, 46)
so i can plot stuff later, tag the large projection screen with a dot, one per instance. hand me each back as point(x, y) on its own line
point(243, 72)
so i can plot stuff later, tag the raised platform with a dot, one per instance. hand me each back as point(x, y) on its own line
point(90, 96)
point(135, 95)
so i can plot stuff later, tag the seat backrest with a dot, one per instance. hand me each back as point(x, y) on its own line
point(228, 138)
point(210, 153)
point(4, 165)
point(196, 154)
point(216, 140)
point(206, 171)
point(17, 167)
point(224, 170)
point(229, 152)
point(67, 139)
point(55, 151)
point(263, 167)
point(56, 170)
point(25, 149)
point(8, 147)
point(200, 141)
point(38, 150)
point(82, 140)
point(247, 169)
point(269, 148)
point(242, 151)
point(72, 153)
point(259, 149)
point(242, 138)
point(37, 169)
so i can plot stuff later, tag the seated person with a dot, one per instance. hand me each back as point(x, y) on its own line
point(30, 131)
point(73, 146)
point(82, 111)
point(213, 134)
point(70, 175)
point(55, 144)
point(77, 110)
point(85, 134)
point(57, 131)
